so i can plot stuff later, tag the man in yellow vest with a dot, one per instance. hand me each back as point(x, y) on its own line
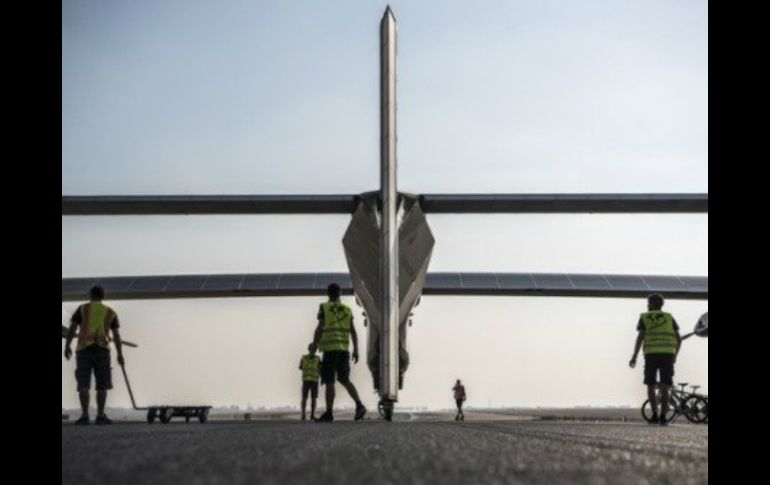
point(659, 333)
point(332, 336)
point(310, 365)
point(95, 320)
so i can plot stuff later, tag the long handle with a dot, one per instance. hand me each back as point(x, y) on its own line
point(128, 385)
point(686, 336)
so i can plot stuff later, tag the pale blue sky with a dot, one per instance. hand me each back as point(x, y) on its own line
point(282, 97)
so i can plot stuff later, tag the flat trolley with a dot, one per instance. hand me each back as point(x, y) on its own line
point(165, 413)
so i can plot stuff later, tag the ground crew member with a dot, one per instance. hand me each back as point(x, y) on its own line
point(459, 391)
point(332, 336)
point(310, 365)
point(660, 334)
point(95, 320)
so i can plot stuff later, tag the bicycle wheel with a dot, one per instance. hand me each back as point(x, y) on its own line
point(647, 412)
point(695, 409)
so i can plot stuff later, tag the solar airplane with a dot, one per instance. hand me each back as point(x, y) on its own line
point(388, 246)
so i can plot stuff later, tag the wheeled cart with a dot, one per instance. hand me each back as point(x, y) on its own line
point(165, 413)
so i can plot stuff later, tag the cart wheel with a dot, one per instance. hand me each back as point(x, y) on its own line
point(203, 415)
point(151, 415)
point(165, 415)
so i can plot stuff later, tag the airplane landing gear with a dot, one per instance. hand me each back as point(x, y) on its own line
point(386, 410)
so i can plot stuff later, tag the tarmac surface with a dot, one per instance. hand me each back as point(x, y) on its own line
point(413, 449)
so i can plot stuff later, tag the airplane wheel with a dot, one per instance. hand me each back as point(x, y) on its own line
point(386, 410)
point(203, 415)
point(165, 415)
point(152, 413)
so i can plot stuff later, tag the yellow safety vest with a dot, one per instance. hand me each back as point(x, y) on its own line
point(95, 321)
point(659, 333)
point(311, 367)
point(338, 320)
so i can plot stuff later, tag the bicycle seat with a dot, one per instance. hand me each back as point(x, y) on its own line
point(682, 384)
point(695, 388)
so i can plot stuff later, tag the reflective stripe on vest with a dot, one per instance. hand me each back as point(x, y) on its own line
point(338, 319)
point(95, 321)
point(659, 334)
point(311, 365)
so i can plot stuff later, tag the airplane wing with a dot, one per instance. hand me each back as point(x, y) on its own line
point(459, 284)
point(314, 284)
point(346, 204)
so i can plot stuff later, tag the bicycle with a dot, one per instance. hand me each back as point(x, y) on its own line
point(693, 406)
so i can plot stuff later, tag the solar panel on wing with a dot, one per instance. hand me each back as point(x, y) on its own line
point(260, 281)
point(552, 281)
point(186, 283)
point(191, 286)
point(223, 281)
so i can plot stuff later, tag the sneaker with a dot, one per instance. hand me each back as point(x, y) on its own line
point(84, 420)
point(325, 418)
point(663, 421)
point(103, 419)
point(360, 412)
point(655, 419)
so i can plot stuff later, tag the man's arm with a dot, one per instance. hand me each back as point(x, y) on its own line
point(678, 344)
point(118, 341)
point(637, 346)
point(300, 364)
point(678, 339)
point(70, 336)
point(74, 322)
point(319, 330)
point(354, 336)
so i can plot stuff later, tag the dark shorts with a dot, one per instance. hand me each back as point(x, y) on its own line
point(97, 360)
point(311, 387)
point(655, 362)
point(335, 362)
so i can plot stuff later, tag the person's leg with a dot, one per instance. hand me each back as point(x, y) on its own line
point(313, 398)
point(304, 399)
point(103, 375)
point(664, 395)
point(327, 378)
point(666, 381)
point(85, 397)
point(462, 415)
point(343, 375)
point(101, 399)
point(352, 391)
point(329, 397)
point(83, 369)
point(650, 380)
point(653, 400)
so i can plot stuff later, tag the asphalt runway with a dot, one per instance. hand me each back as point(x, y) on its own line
point(412, 449)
